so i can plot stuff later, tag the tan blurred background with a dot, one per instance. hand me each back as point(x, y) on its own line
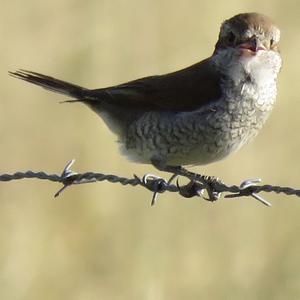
point(103, 241)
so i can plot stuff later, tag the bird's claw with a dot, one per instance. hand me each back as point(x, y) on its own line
point(193, 188)
point(213, 194)
point(197, 188)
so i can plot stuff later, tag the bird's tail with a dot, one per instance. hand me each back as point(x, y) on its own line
point(54, 85)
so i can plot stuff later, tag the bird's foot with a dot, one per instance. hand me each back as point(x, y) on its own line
point(204, 189)
point(198, 183)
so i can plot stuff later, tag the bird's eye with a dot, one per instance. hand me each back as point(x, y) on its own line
point(231, 38)
point(272, 42)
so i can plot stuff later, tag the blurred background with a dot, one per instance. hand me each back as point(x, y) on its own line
point(103, 241)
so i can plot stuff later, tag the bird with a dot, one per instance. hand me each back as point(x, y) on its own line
point(197, 115)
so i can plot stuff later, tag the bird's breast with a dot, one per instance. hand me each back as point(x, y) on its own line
point(201, 136)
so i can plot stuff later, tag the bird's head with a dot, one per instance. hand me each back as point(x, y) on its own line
point(248, 34)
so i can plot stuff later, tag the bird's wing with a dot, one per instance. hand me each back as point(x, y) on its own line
point(184, 90)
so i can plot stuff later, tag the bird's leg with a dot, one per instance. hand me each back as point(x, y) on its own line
point(205, 181)
point(175, 170)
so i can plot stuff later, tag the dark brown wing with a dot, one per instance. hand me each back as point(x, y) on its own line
point(184, 90)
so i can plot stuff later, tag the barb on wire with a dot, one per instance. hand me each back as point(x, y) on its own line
point(199, 185)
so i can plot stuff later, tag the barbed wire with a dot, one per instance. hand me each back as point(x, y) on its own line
point(199, 185)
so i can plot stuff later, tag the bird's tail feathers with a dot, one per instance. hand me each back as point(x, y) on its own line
point(54, 85)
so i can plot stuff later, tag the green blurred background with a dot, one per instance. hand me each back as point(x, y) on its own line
point(103, 241)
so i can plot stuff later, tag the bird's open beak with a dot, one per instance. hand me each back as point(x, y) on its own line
point(253, 45)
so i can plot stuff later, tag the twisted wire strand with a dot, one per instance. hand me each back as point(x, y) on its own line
point(157, 184)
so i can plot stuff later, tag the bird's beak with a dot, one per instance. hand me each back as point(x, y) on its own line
point(253, 45)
